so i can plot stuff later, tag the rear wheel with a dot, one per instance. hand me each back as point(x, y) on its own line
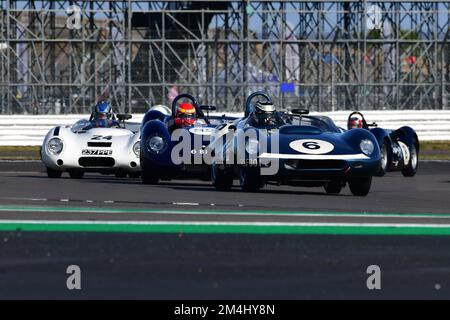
point(53, 174)
point(360, 186)
point(384, 149)
point(222, 179)
point(411, 169)
point(250, 179)
point(76, 174)
point(333, 187)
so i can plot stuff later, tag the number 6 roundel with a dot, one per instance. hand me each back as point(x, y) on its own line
point(312, 146)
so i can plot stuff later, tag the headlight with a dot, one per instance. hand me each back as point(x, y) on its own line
point(251, 146)
point(156, 144)
point(55, 146)
point(137, 148)
point(367, 147)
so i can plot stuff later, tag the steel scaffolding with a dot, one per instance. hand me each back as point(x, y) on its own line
point(61, 56)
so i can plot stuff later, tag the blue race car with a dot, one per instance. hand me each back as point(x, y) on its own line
point(399, 148)
point(295, 149)
point(175, 146)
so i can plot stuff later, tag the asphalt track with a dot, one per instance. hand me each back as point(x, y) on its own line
point(184, 240)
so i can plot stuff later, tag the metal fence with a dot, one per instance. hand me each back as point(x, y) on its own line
point(59, 57)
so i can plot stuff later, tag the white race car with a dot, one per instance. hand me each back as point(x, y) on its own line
point(77, 149)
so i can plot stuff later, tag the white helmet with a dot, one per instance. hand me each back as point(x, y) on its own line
point(162, 108)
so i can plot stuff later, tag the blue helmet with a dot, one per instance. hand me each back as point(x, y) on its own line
point(103, 110)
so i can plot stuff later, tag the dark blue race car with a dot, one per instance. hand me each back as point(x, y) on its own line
point(175, 146)
point(399, 148)
point(295, 149)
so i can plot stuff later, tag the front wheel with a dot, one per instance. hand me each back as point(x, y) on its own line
point(121, 174)
point(76, 174)
point(360, 186)
point(333, 187)
point(134, 175)
point(148, 179)
point(53, 174)
point(411, 168)
point(222, 179)
point(250, 179)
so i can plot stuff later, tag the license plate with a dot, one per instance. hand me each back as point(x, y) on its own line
point(88, 152)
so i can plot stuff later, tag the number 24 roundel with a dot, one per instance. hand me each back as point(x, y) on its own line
point(312, 146)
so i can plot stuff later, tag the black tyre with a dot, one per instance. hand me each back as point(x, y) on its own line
point(385, 159)
point(53, 174)
point(360, 186)
point(121, 174)
point(333, 187)
point(250, 179)
point(134, 175)
point(411, 169)
point(76, 174)
point(148, 179)
point(222, 178)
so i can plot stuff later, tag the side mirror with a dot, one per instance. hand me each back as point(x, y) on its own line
point(300, 111)
point(208, 108)
point(124, 116)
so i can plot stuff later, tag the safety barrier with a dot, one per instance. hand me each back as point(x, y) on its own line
point(430, 125)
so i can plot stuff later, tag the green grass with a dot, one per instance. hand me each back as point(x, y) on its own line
point(430, 150)
point(19, 153)
point(435, 146)
point(19, 149)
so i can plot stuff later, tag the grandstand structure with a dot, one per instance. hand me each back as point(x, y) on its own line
point(59, 57)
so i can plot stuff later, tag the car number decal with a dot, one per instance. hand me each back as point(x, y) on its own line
point(96, 138)
point(89, 152)
point(312, 146)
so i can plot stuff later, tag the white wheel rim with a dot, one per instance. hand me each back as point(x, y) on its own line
point(414, 158)
point(384, 158)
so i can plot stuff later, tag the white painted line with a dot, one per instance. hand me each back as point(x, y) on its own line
point(233, 213)
point(228, 223)
point(185, 203)
point(64, 200)
point(314, 157)
point(109, 201)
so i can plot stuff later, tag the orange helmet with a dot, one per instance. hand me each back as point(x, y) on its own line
point(185, 115)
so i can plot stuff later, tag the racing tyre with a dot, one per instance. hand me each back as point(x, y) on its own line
point(360, 186)
point(121, 174)
point(411, 169)
point(333, 187)
point(53, 174)
point(76, 174)
point(250, 179)
point(222, 179)
point(134, 175)
point(384, 150)
point(148, 179)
